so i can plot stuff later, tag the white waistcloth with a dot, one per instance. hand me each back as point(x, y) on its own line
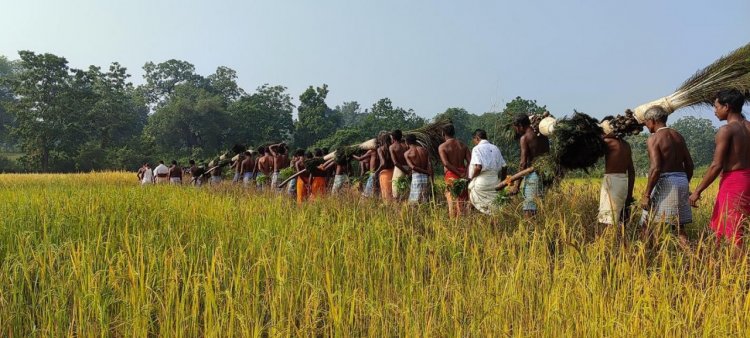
point(482, 193)
point(148, 176)
point(612, 198)
point(488, 155)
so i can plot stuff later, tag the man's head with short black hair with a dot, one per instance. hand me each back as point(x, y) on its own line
point(480, 134)
point(192, 162)
point(449, 130)
point(411, 139)
point(308, 155)
point(397, 135)
point(299, 152)
point(174, 162)
point(319, 152)
point(731, 98)
point(521, 120)
point(262, 150)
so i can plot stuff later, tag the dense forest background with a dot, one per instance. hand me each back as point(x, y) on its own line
point(54, 118)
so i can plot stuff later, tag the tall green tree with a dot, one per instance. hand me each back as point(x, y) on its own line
point(224, 83)
point(383, 116)
point(462, 121)
point(8, 70)
point(315, 120)
point(49, 110)
point(191, 123)
point(498, 126)
point(263, 116)
point(163, 78)
point(350, 113)
point(699, 134)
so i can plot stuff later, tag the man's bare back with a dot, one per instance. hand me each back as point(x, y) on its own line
point(265, 164)
point(455, 156)
point(418, 160)
point(619, 158)
point(247, 165)
point(397, 150)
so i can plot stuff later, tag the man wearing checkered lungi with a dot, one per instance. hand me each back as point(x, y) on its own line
point(667, 191)
point(418, 161)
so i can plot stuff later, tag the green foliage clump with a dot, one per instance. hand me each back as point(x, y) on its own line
point(577, 142)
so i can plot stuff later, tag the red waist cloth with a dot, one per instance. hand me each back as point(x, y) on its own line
point(451, 176)
point(732, 205)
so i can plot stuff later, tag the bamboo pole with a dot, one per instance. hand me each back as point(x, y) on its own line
point(519, 175)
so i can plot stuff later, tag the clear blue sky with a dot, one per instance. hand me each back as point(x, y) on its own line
point(599, 57)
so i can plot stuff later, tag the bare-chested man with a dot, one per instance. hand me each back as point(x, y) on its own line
point(732, 161)
point(246, 168)
point(237, 168)
point(303, 181)
point(385, 169)
point(341, 178)
point(215, 173)
point(532, 146)
point(280, 161)
point(418, 161)
point(263, 168)
point(175, 173)
point(299, 155)
point(667, 191)
point(371, 157)
point(619, 178)
point(400, 168)
point(455, 156)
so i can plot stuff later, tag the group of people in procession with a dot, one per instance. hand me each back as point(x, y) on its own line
point(667, 197)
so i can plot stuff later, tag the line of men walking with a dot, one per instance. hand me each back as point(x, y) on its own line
point(667, 197)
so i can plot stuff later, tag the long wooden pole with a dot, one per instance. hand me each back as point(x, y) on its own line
point(519, 175)
point(299, 173)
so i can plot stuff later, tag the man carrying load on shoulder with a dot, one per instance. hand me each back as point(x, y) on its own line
point(619, 178)
point(532, 146)
point(732, 161)
point(667, 191)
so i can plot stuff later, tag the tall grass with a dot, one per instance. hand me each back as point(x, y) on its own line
point(98, 255)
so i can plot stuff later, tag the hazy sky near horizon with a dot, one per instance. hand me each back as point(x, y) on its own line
point(599, 57)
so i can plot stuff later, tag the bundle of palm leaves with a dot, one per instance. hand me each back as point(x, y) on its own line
point(343, 154)
point(625, 125)
point(577, 142)
point(311, 165)
point(731, 71)
point(549, 171)
point(429, 136)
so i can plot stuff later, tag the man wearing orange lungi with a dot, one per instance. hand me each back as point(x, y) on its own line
point(732, 161)
point(455, 157)
point(386, 166)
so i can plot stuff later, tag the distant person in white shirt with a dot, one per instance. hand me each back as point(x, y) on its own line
point(146, 174)
point(162, 173)
point(486, 163)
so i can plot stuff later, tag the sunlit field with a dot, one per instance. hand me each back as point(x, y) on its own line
point(99, 255)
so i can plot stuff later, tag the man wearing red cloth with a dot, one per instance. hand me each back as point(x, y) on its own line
point(732, 161)
point(455, 157)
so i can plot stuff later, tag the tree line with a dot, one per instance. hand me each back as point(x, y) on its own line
point(55, 118)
